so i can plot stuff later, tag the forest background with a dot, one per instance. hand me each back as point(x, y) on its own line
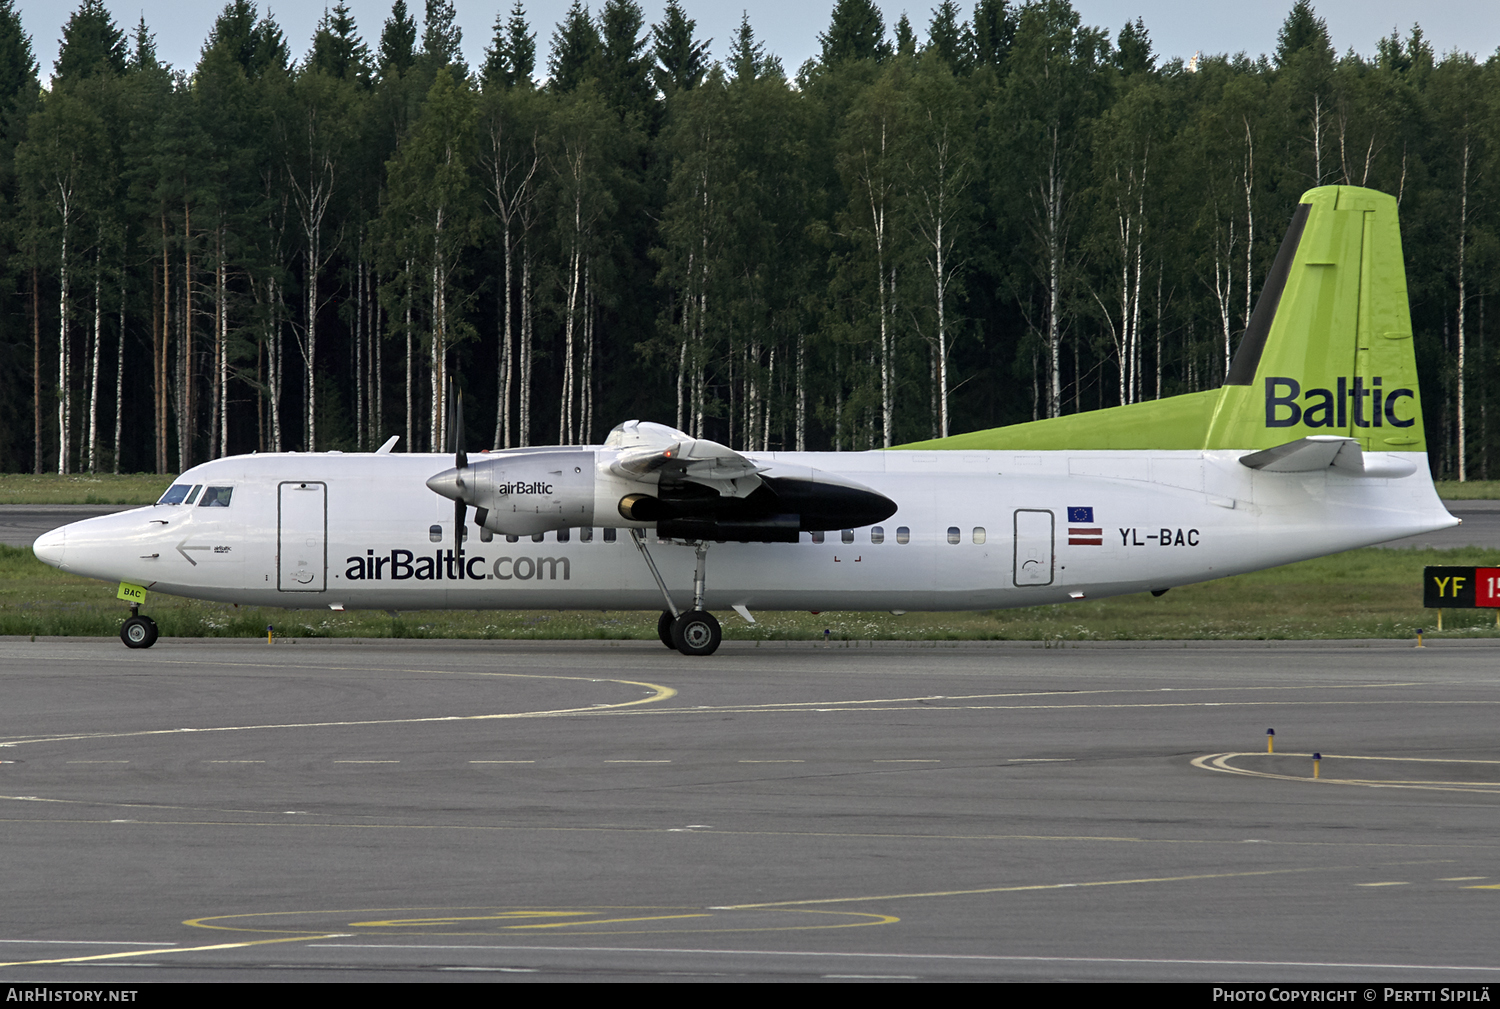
point(1000, 216)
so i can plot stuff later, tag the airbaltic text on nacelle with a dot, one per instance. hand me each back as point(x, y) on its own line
point(537, 487)
point(401, 565)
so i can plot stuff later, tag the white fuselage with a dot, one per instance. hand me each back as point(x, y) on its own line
point(973, 530)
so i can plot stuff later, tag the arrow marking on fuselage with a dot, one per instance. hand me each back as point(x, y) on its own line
point(183, 549)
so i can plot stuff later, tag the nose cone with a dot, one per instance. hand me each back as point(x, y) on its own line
point(49, 547)
point(448, 484)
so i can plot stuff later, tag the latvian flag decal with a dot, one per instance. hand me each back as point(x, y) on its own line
point(1081, 530)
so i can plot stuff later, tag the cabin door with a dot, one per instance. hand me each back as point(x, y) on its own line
point(1033, 556)
point(302, 537)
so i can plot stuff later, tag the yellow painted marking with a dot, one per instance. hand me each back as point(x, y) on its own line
point(658, 693)
point(504, 915)
point(928, 699)
point(1459, 879)
point(1031, 886)
point(1487, 886)
point(1220, 762)
point(613, 921)
point(581, 919)
point(169, 949)
point(1401, 882)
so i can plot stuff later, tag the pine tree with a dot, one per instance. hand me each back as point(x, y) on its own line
point(511, 58)
point(994, 33)
point(681, 60)
point(747, 57)
point(337, 49)
point(856, 33)
point(575, 49)
point(624, 60)
point(256, 44)
point(1133, 53)
point(91, 44)
point(950, 38)
point(398, 41)
point(441, 40)
point(1302, 31)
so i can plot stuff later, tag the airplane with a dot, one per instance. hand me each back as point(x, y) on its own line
point(1313, 445)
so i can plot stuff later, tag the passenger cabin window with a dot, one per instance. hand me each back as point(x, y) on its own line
point(816, 537)
point(485, 536)
point(563, 536)
point(877, 534)
point(609, 535)
point(847, 535)
point(903, 534)
point(216, 497)
point(435, 533)
point(536, 537)
point(512, 539)
point(979, 534)
point(586, 534)
point(954, 535)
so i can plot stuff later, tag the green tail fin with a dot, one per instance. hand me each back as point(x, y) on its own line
point(1329, 345)
point(1328, 351)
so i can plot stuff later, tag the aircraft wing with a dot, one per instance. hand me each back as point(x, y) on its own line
point(677, 457)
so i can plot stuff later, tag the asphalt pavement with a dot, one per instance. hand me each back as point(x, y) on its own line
point(428, 810)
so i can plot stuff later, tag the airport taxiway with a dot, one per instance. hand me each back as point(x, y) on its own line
point(419, 810)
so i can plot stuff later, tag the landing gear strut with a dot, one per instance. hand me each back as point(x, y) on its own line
point(695, 632)
point(139, 631)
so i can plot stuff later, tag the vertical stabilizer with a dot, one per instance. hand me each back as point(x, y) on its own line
point(1328, 350)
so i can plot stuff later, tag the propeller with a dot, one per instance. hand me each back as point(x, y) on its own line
point(460, 461)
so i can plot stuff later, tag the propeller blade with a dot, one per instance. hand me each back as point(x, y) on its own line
point(460, 457)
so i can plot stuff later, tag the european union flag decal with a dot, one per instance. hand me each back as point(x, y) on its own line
point(1080, 514)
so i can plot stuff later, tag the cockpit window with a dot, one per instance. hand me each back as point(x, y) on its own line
point(216, 497)
point(175, 494)
point(193, 494)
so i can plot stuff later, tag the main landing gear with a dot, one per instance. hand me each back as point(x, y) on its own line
point(694, 632)
point(139, 631)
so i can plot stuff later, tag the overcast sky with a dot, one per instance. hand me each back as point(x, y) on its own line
point(790, 28)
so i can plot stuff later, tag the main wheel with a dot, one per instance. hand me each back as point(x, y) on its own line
point(697, 633)
point(139, 632)
point(664, 628)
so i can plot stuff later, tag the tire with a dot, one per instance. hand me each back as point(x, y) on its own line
point(664, 628)
point(139, 632)
point(697, 633)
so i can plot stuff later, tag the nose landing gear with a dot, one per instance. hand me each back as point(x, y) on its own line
point(139, 631)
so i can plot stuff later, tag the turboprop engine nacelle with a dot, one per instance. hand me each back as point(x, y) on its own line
point(525, 493)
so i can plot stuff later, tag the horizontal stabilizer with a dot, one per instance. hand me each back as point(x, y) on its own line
point(1325, 451)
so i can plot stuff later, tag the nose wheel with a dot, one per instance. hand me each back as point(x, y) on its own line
point(139, 632)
